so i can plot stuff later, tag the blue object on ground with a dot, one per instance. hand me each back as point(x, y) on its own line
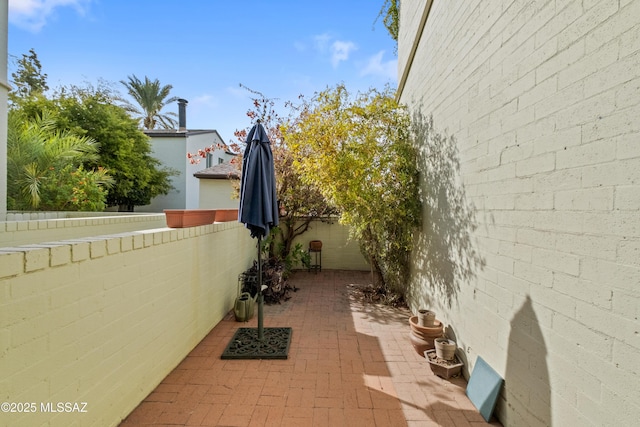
point(483, 388)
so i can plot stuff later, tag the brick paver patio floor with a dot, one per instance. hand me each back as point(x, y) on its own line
point(350, 363)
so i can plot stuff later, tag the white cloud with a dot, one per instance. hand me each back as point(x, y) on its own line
point(32, 15)
point(377, 67)
point(340, 51)
point(337, 50)
point(321, 42)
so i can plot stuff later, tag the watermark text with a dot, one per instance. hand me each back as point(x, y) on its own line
point(48, 407)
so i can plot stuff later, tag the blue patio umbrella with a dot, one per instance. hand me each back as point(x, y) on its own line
point(258, 200)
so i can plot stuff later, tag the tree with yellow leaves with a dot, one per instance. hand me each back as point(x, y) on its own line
point(359, 152)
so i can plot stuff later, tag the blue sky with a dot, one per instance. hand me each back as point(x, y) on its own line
point(206, 48)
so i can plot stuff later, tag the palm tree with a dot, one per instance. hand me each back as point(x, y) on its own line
point(151, 98)
point(35, 151)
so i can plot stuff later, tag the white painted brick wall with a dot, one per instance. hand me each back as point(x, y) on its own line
point(103, 320)
point(543, 99)
point(338, 251)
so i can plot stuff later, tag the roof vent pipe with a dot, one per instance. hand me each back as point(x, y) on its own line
point(182, 115)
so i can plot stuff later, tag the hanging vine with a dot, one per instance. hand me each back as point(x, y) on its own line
point(390, 18)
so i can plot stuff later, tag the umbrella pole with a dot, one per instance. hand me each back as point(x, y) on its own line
point(260, 297)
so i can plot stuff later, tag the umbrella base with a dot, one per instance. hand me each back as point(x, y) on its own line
point(245, 344)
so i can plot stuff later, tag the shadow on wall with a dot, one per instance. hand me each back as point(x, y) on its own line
point(444, 255)
point(526, 397)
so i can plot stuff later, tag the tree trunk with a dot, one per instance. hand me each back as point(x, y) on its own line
point(376, 273)
point(288, 232)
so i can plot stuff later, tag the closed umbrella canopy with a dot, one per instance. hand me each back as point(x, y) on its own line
point(258, 199)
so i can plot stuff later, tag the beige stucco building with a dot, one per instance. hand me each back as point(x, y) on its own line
point(171, 146)
point(217, 186)
point(527, 114)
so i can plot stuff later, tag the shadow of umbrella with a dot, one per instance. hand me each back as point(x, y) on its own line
point(526, 398)
point(259, 213)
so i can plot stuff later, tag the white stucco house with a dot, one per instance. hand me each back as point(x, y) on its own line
point(171, 146)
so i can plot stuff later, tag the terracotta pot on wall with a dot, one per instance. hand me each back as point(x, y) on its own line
point(226, 215)
point(180, 218)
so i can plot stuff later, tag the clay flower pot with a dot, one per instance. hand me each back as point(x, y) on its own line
point(426, 317)
point(422, 337)
point(445, 348)
point(180, 218)
point(226, 215)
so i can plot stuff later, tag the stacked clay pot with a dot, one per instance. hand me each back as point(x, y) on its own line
point(422, 337)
